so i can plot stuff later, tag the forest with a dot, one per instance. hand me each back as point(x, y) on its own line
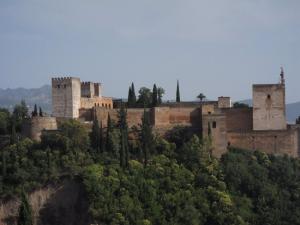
point(133, 176)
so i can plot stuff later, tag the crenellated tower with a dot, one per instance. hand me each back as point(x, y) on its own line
point(66, 94)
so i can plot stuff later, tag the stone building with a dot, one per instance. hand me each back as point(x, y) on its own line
point(262, 127)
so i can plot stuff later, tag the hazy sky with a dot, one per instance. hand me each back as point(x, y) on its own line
point(215, 47)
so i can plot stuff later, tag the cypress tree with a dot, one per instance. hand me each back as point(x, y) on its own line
point(41, 114)
point(35, 111)
point(102, 146)
point(129, 101)
point(133, 94)
point(25, 216)
point(146, 137)
point(109, 144)
point(177, 92)
point(154, 96)
point(160, 93)
point(124, 155)
point(95, 136)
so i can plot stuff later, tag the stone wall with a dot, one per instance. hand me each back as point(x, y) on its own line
point(269, 107)
point(185, 116)
point(224, 102)
point(216, 123)
point(238, 119)
point(66, 93)
point(88, 103)
point(34, 127)
point(272, 142)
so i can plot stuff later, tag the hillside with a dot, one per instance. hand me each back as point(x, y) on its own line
point(40, 96)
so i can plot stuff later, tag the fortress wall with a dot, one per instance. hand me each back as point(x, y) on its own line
point(34, 127)
point(271, 142)
point(161, 116)
point(239, 119)
point(88, 103)
point(217, 124)
point(185, 116)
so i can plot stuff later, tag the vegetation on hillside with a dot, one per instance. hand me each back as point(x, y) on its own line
point(132, 176)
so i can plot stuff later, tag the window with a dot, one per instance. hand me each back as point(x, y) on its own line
point(214, 125)
point(269, 96)
point(65, 86)
point(58, 86)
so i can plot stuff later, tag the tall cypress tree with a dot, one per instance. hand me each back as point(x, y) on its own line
point(154, 96)
point(25, 216)
point(133, 93)
point(41, 114)
point(109, 143)
point(124, 155)
point(95, 136)
point(146, 137)
point(131, 96)
point(177, 92)
point(129, 101)
point(35, 111)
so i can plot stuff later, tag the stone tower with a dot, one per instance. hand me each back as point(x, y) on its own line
point(269, 106)
point(66, 93)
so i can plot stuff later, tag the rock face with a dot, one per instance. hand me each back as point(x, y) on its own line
point(64, 204)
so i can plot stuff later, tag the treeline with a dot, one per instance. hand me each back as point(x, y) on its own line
point(146, 97)
point(132, 176)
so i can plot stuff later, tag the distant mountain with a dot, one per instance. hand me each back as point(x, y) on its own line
point(292, 110)
point(40, 96)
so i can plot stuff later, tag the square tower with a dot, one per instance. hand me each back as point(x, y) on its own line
point(269, 107)
point(66, 93)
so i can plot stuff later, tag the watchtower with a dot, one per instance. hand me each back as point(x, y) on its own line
point(66, 93)
point(269, 106)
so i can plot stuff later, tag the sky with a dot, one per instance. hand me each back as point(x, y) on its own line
point(215, 47)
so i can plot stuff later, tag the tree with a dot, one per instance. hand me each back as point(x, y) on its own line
point(146, 137)
point(240, 105)
point(35, 111)
point(177, 92)
point(201, 96)
point(4, 121)
point(124, 155)
point(41, 114)
point(95, 136)
point(20, 113)
point(131, 96)
point(160, 93)
point(25, 216)
point(154, 96)
point(109, 136)
point(145, 97)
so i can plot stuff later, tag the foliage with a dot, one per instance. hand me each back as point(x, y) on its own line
point(25, 216)
point(240, 105)
point(177, 92)
point(201, 97)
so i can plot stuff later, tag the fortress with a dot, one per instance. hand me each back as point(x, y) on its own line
point(262, 127)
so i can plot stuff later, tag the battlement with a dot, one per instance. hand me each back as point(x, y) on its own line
point(59, 79)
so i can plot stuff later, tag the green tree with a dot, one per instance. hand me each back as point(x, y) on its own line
point(13, 135)
point(20, 114)
point(25, 216)
point(124, 153)
point(41, 114)
point(154, 96)
point(145, 97)
point(35, 111)
point(109, 131)
point(146, 137)
point(160, 93)
point(177, 92)
point(4, 121)
point(131, 96)
point(95, 136)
